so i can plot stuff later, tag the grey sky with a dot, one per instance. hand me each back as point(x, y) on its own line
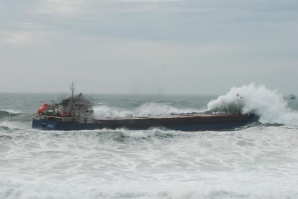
point(148, 46)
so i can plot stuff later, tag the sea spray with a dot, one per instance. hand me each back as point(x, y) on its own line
point(256, 99)
point(145, 110)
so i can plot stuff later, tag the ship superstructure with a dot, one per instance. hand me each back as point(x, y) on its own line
point(75, 110)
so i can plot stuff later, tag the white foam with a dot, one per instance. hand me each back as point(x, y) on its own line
point(11, 111)
point(144, 165)
point(257, 99)
point(145, 110)
point(15, 125)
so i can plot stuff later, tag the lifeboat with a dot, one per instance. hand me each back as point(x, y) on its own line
point(64, 115)
point(43, 108)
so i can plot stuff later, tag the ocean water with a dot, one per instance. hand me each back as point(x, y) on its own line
point(256, 161)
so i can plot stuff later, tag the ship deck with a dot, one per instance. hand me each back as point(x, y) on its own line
point(174, 116)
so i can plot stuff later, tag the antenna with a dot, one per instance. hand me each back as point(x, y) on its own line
point(72, 89)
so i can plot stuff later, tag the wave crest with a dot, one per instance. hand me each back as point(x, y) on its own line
point(145, 110)
point(257, 99)
point(6, 112)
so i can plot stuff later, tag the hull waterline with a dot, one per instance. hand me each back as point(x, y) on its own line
point(199, 122)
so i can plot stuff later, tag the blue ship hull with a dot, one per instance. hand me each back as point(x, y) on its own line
point(63, 126)
point(179, 123)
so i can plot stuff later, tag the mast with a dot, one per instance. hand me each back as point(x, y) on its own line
point(72, 90)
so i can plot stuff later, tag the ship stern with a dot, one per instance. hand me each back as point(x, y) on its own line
point(44, 124)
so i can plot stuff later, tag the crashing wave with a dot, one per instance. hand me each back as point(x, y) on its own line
point(268, 104)
point(9, 112)
point(145, 110)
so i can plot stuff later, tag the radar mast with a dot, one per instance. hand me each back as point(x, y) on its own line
point(72, 88)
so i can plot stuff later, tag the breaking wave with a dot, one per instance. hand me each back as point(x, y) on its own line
point(6, 112)
point(268, 104)
point(15, 125)
point(145, 110)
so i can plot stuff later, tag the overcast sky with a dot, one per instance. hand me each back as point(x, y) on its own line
point(148, 46)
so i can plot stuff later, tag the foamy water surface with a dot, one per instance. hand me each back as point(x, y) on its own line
point(257, 161)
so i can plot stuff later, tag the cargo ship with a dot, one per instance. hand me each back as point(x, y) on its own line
point(76, 113)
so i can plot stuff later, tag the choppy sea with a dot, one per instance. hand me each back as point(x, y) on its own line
point(259, 160)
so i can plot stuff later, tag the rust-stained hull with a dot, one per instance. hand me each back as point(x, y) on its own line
point(187, 122)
